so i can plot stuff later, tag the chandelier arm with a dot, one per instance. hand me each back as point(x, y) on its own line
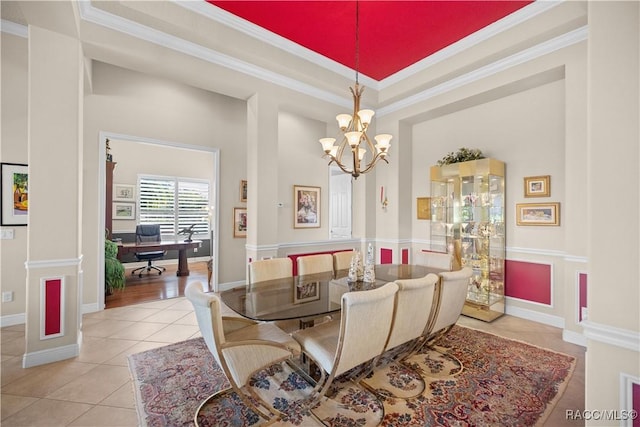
point(373, 163)
point(370, 144)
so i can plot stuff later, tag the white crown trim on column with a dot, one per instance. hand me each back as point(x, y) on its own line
point(13, 28)
point(611, 335)
point(52, 263)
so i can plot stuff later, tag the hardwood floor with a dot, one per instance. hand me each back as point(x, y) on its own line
point(153, 287)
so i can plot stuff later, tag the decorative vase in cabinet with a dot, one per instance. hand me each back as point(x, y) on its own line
point(467, 220)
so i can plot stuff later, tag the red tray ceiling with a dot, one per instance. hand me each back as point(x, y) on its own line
point(393, 34)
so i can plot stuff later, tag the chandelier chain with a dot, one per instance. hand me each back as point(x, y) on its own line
point(357, 64)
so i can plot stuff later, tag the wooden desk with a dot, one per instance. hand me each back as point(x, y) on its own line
point(167, 245)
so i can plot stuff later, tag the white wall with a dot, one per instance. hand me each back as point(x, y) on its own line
point(130, 103)
point(13, 149)
point(134, 159)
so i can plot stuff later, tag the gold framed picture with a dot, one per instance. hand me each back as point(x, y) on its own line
point(243, 190)
point(306, 202)
point(239, 222)
point(538, 213)
point(424, 207)
point(537, 186)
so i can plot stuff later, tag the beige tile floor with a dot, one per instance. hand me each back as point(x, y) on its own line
point(95, 389)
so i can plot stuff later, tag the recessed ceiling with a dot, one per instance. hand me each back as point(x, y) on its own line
point(392, 34)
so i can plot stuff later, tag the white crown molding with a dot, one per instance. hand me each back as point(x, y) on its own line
point(560, 42)
point(13, 28)
point(116, 23)
point(611, 335)
point(230, 20)
point(100, 17)
point(518, 17)
point(53, 263)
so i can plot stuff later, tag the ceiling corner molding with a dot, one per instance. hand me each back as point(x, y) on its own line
point(545, 48)
point(230, 20)
point(100, 17)
point(518, 17)
point(13, 28)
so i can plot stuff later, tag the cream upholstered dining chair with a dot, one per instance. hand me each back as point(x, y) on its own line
point(240, 346)
point(313, 264)
point(342, 260)
point(441, 260)
point(451, 294)
point(413, 310)
point(270, 269)
point(358, 337)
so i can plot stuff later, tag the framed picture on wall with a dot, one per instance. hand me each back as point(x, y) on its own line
point(124, 210)
point(239, 222)
point(424, 207)
point(306, 201)
point(14, 181)
point(538, 213)
point(537, 186)
point(243, 190)
point(124, 192)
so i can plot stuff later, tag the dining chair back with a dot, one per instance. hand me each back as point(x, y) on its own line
point(414, 306)
point(358, 337)
point(240, 346)
point(451, 295)
point(270, 269)
point(313, 264)
point(441, 260)
point(342, 260)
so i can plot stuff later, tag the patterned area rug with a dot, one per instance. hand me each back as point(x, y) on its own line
point(503, 382)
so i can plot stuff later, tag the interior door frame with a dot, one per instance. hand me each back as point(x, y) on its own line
point(215, 220)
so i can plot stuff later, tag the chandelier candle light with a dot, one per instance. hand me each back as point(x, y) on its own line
point(354, 129)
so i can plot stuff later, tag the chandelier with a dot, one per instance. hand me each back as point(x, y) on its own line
point(364, 154)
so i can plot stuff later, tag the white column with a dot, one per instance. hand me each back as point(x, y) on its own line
point(54, 274)
point(613, 88)
point(262, 175)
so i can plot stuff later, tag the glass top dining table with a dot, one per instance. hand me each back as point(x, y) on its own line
point(309, 296)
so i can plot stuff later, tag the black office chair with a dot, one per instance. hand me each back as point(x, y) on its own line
point(148, 233)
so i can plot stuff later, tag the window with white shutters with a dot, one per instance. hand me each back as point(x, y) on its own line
point(174, 203)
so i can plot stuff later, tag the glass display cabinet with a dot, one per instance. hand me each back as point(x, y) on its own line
point(467, 220)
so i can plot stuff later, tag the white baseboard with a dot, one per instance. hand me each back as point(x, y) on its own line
point(546, 319)
point(574, 338)
point(12, 319)
point(43, 357)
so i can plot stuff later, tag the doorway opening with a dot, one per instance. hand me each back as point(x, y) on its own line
point(132, 157)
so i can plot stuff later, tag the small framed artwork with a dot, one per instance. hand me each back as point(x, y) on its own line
point(14, 182)
point(239, 222)
point(538, 213)
point(424, 207)
point(306, 201)
point(124, 192)
point(537, 186)
point(124, 210)
point(243, 190)
point(305, 292)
